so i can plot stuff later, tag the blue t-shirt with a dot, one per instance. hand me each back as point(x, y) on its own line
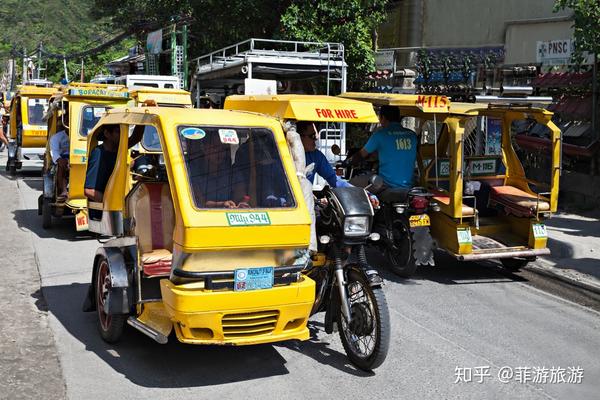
point(322, 167)
point(100, 166)
point(397, 149)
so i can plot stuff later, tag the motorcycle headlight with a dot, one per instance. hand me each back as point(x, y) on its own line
point(356, 226)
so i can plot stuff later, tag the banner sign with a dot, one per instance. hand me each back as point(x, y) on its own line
point(554, 52)
point(154, 42)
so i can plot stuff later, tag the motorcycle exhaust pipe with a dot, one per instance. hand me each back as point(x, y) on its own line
point(147, 330)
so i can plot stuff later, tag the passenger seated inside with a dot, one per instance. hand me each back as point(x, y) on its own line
point(102, 159)
point(59, 152)
point(256, 179)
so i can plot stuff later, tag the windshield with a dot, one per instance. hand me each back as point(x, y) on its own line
point(150, 139)
point(36, 108)
point(234, 168)
point(89, 117)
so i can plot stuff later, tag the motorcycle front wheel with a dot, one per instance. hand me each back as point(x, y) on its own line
point(367, 338)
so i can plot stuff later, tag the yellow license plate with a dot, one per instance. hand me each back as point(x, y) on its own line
point(81, 221)
point(419, 220)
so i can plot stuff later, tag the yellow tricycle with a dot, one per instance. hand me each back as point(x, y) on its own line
point(74, 110)
point(489, 209)
point(213, 242)
point(28, 131)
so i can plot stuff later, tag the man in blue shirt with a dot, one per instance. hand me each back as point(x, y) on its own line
point(101, 163)
point(308, 135)
point(396, 147)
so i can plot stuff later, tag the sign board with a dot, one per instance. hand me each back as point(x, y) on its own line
point(384, 59)
point(260, 86)
point(154, 42)
point(554, 52)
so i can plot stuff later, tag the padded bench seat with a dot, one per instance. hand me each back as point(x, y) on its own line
point(157, 262)
point(516, 201)
point(444, 199)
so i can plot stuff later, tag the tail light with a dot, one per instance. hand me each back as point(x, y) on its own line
point(419, 203)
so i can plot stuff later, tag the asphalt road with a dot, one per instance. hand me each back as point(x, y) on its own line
point(464, 316)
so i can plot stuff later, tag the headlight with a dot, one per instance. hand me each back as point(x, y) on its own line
point(356, 226)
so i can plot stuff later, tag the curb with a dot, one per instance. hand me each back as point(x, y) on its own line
point(569, 276)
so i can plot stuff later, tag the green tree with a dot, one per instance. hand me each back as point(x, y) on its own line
point(351, 22)
point(586, 14)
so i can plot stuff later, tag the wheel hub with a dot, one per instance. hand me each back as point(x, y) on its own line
point(362, 319)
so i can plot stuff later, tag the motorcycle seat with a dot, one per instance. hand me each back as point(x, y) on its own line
point(394, 195)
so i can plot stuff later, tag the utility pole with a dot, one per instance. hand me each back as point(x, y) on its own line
point(24, 76)
point(66, 72)
point(39, 68)
point(81, 77)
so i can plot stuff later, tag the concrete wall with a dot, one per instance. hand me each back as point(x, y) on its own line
point(522, 38)
point(458, 23)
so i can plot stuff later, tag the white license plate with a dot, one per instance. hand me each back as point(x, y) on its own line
point(539, 231)
point(253, 279)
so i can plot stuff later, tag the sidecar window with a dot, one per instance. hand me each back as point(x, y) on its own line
point(234, 167)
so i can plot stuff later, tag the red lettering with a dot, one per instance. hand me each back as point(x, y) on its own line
point(319, 112)
point(420, 100)
point(443, 101)
point(339, 113)
point(353, 114)
point(429, 102)
point(328, 113)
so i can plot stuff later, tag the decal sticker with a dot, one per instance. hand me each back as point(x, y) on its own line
point(229, 136)
point(245, 219)
point(193, 133)
point(464, 236)
point(539, 231)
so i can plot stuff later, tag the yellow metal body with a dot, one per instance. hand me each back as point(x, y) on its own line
point(70, 102)
point(160, 97)
point(204, 241)
point(457, 227)
point(33, 135)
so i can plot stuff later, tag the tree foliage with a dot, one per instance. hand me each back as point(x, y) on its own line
point(351, 22)
point(586, 14)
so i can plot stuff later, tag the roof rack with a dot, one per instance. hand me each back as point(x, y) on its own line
point(266, 58)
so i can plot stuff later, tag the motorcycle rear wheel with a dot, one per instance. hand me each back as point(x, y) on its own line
point(366, 339)
point(402, 255)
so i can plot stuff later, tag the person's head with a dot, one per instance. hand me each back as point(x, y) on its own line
point(388, 114)
point(110, 137)
point(308, 134)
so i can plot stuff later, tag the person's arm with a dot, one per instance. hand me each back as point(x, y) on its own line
point(324, 169)
point(91, 177)
point(136, 136)
point(54, 148)
point(369, 148)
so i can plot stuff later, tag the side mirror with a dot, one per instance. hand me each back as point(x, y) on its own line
point(335, 149)
point(375, 183)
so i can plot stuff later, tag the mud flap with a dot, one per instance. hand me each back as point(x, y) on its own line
point(422, 245)
point(89, 304)
point(333, 308)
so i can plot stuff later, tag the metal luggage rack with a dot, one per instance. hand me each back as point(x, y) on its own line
point(272, 51)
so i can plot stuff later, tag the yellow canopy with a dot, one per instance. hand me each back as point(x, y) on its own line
point(305, 107)
point(162, 96)
point(425, 102)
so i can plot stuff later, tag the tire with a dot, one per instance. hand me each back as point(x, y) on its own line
point(110, 326)
point(46, 214)
point(12, 169)
point(401, 256)
point(370, 315)
point(514, 264)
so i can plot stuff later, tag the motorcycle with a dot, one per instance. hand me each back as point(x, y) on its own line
point(402, 221)
point(348, 289)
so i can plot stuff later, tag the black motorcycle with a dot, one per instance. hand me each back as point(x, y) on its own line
point(348, 289)
point(403, 223)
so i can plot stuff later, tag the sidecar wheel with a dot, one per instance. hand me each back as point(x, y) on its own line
point(110, 326)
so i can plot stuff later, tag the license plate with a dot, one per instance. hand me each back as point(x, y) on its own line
point(419, 220)
point(539, 231)
point(253, 279)
point(81, 221)
point(464, 236)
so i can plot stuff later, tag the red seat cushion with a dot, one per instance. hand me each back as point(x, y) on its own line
point(517, 201)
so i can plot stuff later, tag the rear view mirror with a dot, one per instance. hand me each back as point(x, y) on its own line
point(335, 149)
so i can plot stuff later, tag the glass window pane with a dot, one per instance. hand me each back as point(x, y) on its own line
point(234, 167)
point(36, 108)
point(89, 118)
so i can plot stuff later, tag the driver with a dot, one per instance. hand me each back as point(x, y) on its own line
point(396, 147)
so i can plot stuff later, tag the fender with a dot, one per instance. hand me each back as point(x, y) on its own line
point(120, 297)
point(49, 185)
point(370, 275)
point(423, 245)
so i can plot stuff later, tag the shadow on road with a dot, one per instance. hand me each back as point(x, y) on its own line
point(447, 271)
point(176, 365)
point(62, 228)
